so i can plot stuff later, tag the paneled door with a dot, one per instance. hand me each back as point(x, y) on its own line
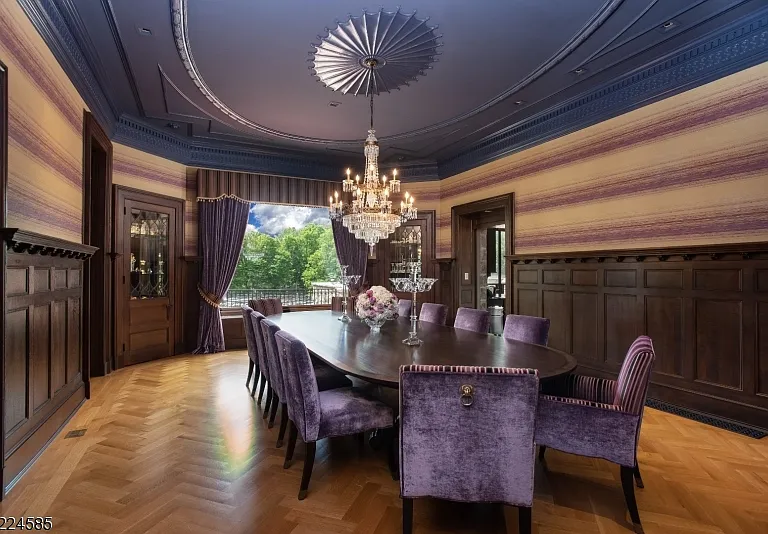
point(147, 275)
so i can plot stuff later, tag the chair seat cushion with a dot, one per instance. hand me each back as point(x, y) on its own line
point(344, 412)
point(329, 378)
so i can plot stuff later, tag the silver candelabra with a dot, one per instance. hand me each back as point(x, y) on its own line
point(413, 284)
point(345, 281)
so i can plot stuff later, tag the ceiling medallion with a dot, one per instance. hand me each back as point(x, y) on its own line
point(375, 52)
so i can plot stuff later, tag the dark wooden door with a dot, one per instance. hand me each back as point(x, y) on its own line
point(148, 235)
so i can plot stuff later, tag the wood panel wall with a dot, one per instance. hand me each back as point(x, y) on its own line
point(45, 378)
point(705, 308)
point(265, 188)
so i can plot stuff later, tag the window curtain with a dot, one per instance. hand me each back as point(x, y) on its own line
point(350, 251)
point(223, 221)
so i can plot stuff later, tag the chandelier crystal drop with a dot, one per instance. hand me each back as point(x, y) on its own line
point(370, 215)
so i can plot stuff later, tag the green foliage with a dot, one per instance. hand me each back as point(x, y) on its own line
point(292, 259)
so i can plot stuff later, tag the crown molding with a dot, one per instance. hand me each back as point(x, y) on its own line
point(739, 46)
point(61, 28)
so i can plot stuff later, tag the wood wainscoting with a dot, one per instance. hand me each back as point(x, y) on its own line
point(45, 373)
point(706, 309)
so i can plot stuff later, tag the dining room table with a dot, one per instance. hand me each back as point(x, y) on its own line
point(375, 357)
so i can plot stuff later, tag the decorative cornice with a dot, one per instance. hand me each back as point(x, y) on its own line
point(740, 46)
point(62, 30)
point(757, 250)
point(22, 241)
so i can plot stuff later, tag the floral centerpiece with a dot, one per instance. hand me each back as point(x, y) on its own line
point(376, 306)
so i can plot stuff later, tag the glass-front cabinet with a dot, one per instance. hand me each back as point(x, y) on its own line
point(405, 250)
point(149, 254)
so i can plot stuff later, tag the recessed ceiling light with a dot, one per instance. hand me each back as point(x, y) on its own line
point(519, 102)
point(173, 125)
point(143, 31)
point(580, 70)
point(334, 104)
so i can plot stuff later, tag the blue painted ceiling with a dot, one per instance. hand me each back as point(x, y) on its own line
point(502, 62)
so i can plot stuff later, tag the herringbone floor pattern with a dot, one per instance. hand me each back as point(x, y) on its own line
point(179, 446)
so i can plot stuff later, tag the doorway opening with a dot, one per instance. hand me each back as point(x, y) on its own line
point(482, 239)
point(97, 275)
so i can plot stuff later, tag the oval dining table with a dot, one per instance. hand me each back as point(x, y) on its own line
point(376, 357)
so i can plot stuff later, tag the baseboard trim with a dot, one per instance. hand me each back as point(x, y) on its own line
point(708, 419)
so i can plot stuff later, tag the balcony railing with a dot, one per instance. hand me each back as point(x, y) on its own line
point(289, 297)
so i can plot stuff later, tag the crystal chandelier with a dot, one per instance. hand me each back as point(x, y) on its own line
point(370, 216)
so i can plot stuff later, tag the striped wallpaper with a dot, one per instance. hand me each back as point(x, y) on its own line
point(45, 122)
point(139, 170)
point(691, 169)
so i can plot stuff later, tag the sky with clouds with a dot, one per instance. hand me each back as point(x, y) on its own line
point(272, 219)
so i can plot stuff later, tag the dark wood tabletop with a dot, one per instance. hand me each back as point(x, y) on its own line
point(354, 350)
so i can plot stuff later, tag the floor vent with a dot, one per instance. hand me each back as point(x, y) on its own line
point(707, 419)
point(75, 433)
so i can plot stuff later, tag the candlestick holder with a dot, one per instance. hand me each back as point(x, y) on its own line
point(345, 281)
point(414, 284)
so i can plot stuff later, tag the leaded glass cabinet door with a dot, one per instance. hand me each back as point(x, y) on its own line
point(148, 281)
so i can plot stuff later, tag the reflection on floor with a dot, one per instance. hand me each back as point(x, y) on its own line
point(179, 446)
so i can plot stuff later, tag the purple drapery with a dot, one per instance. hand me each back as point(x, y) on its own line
point(222, 227)
point(350, 251)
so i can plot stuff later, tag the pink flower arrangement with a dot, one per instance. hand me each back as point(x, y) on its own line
point(376, 304)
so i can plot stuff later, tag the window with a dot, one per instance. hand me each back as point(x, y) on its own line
point(288, 253)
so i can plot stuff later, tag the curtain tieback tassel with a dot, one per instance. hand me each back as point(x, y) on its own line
point(210, 298)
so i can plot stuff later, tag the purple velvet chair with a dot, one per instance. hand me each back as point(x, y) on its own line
point(528, 329)
point(326, 378)
point(253, 353)
point(472, 319)
point(266, 307)
point(404, 308)
point(321, 414)
point(601, 418)
point(434, 313)
point(483, 419)
point(256, 318)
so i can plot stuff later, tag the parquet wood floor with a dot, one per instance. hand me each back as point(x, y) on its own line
point(179, 446)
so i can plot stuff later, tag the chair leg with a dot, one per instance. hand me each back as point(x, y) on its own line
point(407, 516)
point(273, 409)
point(293, 433)
point(524, 521)
point(638, 478)
point(394, 452)
point(256, 378)
point(250, 372)
point(542, 450)
point(309, 462)
point(268, 402)
point(628, 484)
point(283, 424)
point(361, 441)
point(261, 389)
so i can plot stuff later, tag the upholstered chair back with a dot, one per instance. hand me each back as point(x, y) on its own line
point(250, 338)
point(483, 419)
point(266, 307)
point(472, 319)
point(268, 331)
point(635, 374)
point(301, 386)
point(528, 329)
point(404, 308)
point(258, 337)
point(434, 313)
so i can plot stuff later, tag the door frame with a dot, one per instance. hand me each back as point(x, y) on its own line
point(463, 213)
point(121, 194)
point(97, 272)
